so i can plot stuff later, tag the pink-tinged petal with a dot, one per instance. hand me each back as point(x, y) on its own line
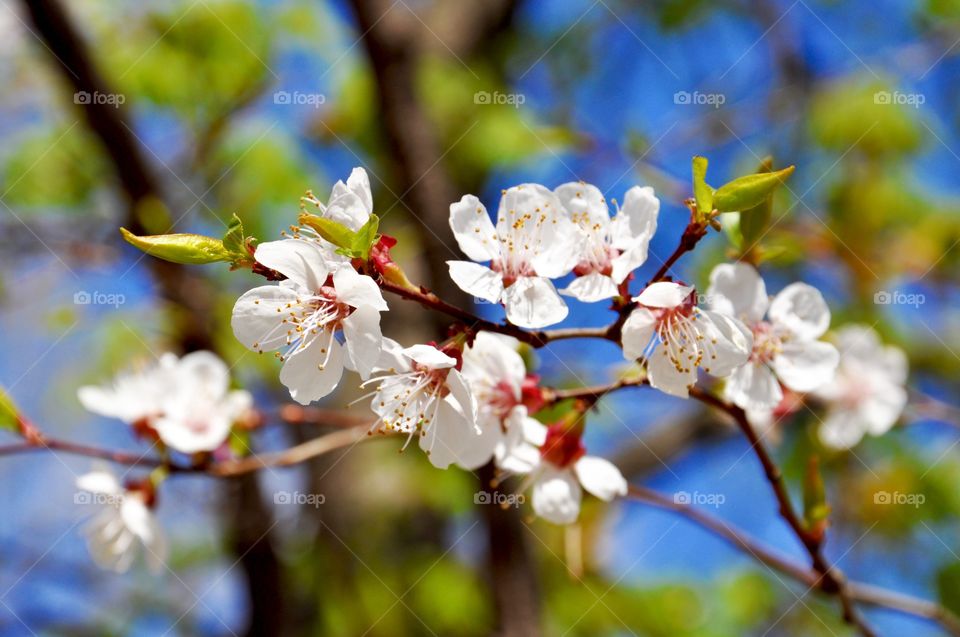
point(557, 495)
point(448, 436)
point(753, 387)
point(429, 356)
point(636, 221)
point(303, 262)
point(492, 360)
point(591, 288)
point(730, 343)
point(476, 280)
point(313, 371)
point(663, 294)
point(533, 302)
point(473, 229)
point(736, 289)
point(665, 376)
point(804, 367)
point(519, 451)
point(204, 372)
point(258, 317)
point(585, 204)
point(800, 309)
point(362, 340)
point(600, 477)
point(881, 410)
point(637, 333)
point(841, 429)
point(357, 289)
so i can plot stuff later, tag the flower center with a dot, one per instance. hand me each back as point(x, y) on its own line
point(767, 344)
point(511, 270)
point(562, 447)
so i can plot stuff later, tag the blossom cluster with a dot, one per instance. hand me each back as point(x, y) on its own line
point(471, 400)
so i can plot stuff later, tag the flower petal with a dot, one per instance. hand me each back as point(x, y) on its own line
point(841, 429)
point(258, 317)
point(591, 288)
point(100, 480)
point(448, 436)
point(736, 289)
point(556, 496)
point(533, 302)
point(801, 310)
point(204, 372)
point(473, 229)
point(881, 410)
point(477, 280)
point(731, 344)
point(663, 294)
point(303, 262)
point(585, 204)
point(665, 376)
point(313, 371)
point(637, 333)
point(362, 339)
point(479, 450)
point(804, 367)
point(357, 289)
point(753, 387)
point(429, 356)
point(600, 477)
point(636, 221)
point(460, 392)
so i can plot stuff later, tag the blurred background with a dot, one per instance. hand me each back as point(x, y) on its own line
point(175, 114)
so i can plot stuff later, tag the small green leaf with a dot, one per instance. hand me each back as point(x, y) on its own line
point(365, 237)
point(754, 221)
point(702, 192)
point(233, 240)
point(180, 248)
point(746, 192)
point(9, 414)
point(334, 232)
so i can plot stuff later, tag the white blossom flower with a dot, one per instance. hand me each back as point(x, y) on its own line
point(186, 401)
point(609, 249)
point(868, 395)
point(350, 204)
point(302, 315)
point(533, 242)
point(675, 337)
point(785, 345)
point(557, 468)
point(420, 393)
point(124, 523)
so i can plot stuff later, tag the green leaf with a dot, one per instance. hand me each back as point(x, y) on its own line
point(746, 192)
point(9, 414)
point(334, 232)
point(233, 240)
point(365, 237)
point(180, 248)
point(754, 221)
point(702, 193)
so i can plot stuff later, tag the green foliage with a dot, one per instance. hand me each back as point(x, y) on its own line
point(702, 192)
point(191, 249)
point(9, 413)
point(747, 192)
point(354, 244)
point(59, 167)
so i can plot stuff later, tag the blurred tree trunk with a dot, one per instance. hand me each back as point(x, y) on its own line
point(249, 520)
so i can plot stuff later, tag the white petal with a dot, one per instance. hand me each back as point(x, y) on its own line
point(558, 249)
point(841, 429)
point(665, 376)
point(585, 203)
point(100, 480)
point(391, 357)
point(800, 308)
point(109, 403)
point(362, 339)
point(176, 431)
point(600, 477)
point(753, 387)
point(881, 410)
point(663, 294)
point(359, 183)
point(460, 392)
point(556, 496)
point(591, 288)
point(806, 366)
point(258, 317)
point(429, 356)
point(302, 262)
point(448, 436)
point(533, 302)
point(736, 289)
point(631, 259)
point(535, 224)
point(357, 289)
point(733, 342)
point(519, 450)
point(473, 229)
point(637, 332)
point(204, 372)
point(636, 221)
point(477, 280)
point(493, 360)
point(314, 371)
point(478, 451)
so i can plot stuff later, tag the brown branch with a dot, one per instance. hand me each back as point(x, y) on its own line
point(865, 593)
